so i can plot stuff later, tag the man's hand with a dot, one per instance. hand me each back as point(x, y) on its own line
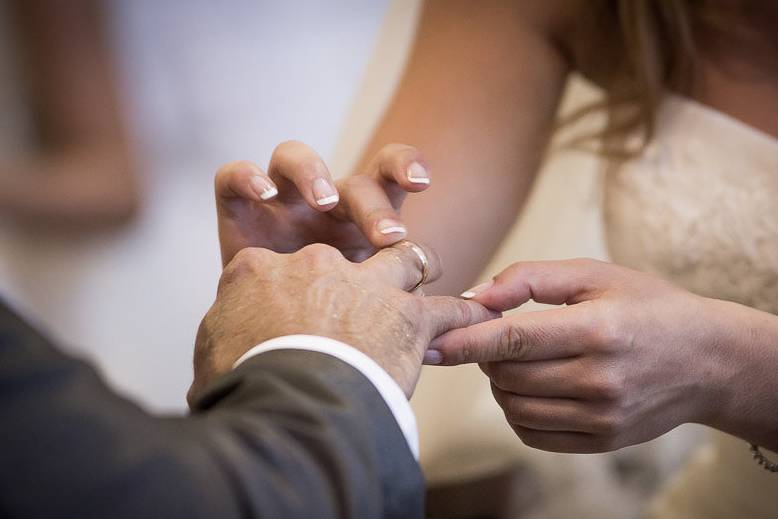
point(317, 291)
point(297, 203)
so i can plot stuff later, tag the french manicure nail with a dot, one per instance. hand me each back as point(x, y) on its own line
point(263, 187)
point(432, 357)
point(324, 193)
point(417, 174)
point(469, 294)
point(389, 226)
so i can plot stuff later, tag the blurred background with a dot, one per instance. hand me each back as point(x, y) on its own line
point(120, 267)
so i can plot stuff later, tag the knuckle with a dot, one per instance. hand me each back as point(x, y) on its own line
point(320, 254)
point(233, 166)
point(395, 254)
point(606, 424)
point(606, 335)
point(370, 214)
point(246, 262)
point(513, 342)
point(516, 411)
point(511, 272)
point(230, 275)
point(463, 313)
point(396, 149)
point(286, 147)
point(284, 151)
point(412, 308)
point(300, 156)
point(602, 420)
point(609, 387)
point(395, 158)
point(604, 390)
point(407, 311)
point(309, 167)
point(467, 348)
point(249, 259)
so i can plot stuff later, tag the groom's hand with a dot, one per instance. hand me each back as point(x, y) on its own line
point(317, 291)
point(297, 203)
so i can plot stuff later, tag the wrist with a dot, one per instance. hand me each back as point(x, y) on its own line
point(400, 362)
point(717, 373)
point(402, 366)
point(743, 393)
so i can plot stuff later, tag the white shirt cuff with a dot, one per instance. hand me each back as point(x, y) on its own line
point(386, 386)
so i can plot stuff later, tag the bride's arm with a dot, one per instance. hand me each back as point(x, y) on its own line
point(478, 99)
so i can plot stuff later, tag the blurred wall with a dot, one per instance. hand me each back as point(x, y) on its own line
point(202, 83)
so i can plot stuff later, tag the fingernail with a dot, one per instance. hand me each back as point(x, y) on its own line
point(389, 226)
point(323, 192)
point(417, 174)
point(263, 187)
point(469, 294)
point(432, 357)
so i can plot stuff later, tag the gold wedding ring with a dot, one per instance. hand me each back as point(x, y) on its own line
point(425, 264)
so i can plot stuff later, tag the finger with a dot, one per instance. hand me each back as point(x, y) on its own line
point(558, 378)
point(532, 336)
point(372, 200)
point(243, 180)
point(445, 313)
point(299, 172)
point(552, 282)
point(401, 265)
point(400, 166)
point(364, 201)
point(543, 414)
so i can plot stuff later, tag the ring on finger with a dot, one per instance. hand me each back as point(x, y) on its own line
point(425, 264)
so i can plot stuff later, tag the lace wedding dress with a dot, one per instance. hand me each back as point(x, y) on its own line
point(700, 208)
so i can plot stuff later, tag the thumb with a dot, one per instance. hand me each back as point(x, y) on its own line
point(549, 282)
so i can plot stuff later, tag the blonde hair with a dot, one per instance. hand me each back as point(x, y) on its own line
point(652, 47)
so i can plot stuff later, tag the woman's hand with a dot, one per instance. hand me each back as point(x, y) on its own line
point(297, 203)
point(629, 358)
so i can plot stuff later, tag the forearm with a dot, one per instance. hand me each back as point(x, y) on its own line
point(478, 98)
point(744, 399)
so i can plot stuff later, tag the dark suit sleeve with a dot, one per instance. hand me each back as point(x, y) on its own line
point(287, 434)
